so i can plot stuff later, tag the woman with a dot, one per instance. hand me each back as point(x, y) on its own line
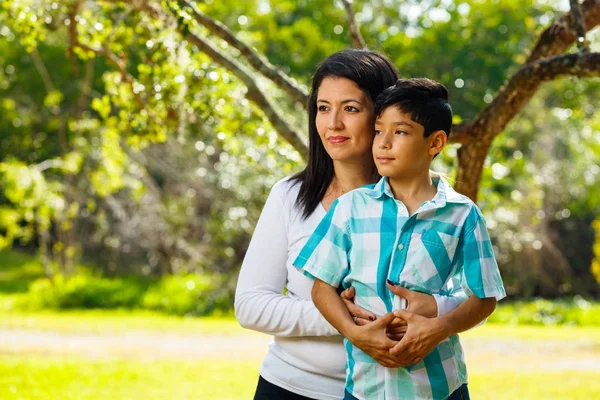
point(307, 358)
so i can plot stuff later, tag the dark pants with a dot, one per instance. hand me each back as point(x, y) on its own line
point(462, 393)
point(267, 391)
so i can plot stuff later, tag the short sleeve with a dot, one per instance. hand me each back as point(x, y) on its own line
point(480, 275)
point(325, 254)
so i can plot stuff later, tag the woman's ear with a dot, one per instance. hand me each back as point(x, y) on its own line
point(437, 142)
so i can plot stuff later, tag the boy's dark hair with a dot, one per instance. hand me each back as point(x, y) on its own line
point(424, 99)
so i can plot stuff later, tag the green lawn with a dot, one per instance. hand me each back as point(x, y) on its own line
point(39, 376)
point(496, 371)
point(78, 379)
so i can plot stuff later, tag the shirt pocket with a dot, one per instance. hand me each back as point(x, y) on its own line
point(429, 260)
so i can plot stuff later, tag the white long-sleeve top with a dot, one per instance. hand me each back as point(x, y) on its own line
point(307, 356)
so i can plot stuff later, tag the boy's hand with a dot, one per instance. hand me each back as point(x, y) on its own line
point(360, 315)
point(373, 340)
point(422, 336)
point(418, 303)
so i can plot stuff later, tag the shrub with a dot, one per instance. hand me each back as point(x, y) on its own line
point(187, 295)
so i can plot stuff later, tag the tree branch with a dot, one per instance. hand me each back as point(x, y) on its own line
point(254, 92)
point(579, 26)
point(557, 38)
point(260, 63)
point(523, 85)
point(357, 38)
point(42, 70)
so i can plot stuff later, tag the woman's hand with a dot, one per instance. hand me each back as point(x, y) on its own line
point(361, 316)
point(373, 340)
point(422, 336)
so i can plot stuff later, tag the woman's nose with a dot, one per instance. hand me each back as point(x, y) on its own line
point(335, 122)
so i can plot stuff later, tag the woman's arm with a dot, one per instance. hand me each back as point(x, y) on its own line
point(259, 302)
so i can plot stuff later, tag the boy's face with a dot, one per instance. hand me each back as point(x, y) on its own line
point(400, 150)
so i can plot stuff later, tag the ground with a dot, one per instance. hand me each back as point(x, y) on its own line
point(193, 356)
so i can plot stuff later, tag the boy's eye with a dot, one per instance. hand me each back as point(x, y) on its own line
point(323, 108)
point(351, 109)
point(400, 132)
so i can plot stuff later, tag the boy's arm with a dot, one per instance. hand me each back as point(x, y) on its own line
point(480, 278)
point(371, 338)
point(424, 334)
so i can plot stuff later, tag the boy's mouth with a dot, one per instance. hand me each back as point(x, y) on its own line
point(384, 160)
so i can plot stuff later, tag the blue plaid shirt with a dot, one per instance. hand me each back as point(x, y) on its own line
point(368, 237)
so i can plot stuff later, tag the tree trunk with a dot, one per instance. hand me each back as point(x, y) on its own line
point(471, 157)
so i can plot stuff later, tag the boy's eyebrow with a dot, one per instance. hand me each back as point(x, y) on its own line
point(378, 122)
point(341, 102)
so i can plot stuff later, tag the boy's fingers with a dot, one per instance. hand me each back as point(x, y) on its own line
point(396, 336)
point(384, 320)
point(362, 321)
point(399, 290)
point(359, 312)
point(397, 349)
point(403, 314)
point(348, 294)
point(397, 323)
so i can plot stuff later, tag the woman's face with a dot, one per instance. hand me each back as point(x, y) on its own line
point(345, 120)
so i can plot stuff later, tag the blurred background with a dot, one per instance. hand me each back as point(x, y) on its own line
point(139, 140)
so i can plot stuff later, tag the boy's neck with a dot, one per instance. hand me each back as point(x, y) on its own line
point(349, 176)
point(414, 190)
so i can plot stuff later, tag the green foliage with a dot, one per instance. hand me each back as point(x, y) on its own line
point(190, 294)
point(186, 295)
point(83, 291)
point(576, 311)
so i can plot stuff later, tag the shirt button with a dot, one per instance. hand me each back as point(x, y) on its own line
point(401, 246)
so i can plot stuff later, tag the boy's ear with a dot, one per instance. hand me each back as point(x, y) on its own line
point(437, 141)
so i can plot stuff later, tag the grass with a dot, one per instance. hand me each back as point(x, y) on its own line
point(118, 321)
point(39, 375)
point(79, 379)
point(510, 385)
point(74, 378)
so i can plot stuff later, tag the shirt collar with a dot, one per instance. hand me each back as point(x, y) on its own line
point(445, 192)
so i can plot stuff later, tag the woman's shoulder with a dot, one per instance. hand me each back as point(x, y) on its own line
point(287, 189)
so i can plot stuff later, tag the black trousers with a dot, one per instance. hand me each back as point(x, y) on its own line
point(267, 391)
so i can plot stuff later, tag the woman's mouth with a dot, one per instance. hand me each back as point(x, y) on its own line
point(337, 139)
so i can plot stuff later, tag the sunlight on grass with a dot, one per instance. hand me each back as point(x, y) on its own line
point(115, 321)
point(510, 385)
point(55, 378)
point(51, 378)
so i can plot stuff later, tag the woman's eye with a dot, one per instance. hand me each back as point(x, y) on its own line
point(377, 131)
point(351, 109)
point(323, 108)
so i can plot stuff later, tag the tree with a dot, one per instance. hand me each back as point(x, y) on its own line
point(210, 98)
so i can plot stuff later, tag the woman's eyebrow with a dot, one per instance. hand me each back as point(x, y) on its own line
point(341, 102)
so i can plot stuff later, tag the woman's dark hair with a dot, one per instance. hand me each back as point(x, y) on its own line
point(373, 73)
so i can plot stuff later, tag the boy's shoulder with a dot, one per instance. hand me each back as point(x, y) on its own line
point(468, 206)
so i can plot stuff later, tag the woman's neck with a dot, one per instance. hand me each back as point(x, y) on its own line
point(349, 176)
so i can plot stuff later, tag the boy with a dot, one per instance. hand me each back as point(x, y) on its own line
point(408, 229)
